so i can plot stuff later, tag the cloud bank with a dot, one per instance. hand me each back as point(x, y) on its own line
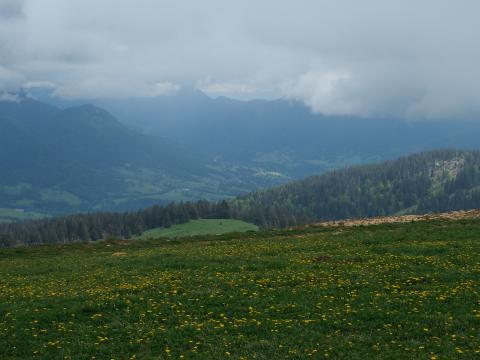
point(406, 59)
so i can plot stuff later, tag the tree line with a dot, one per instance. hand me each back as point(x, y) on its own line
point(95, 226)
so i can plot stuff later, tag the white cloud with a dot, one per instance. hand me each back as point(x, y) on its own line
point(38, 84)
point(164, 89)
point(9, 97)
point(323, 92)
point(10, 79)
point(10, 9)
point(373, 57)
point(229, 87)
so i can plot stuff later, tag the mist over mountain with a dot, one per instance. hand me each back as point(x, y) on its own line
point(281, 135)
point(64, 156)
point(369, 58)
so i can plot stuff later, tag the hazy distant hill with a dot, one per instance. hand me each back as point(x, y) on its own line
point(428, 182)
point(82, 136)
point(284, 136)
point(82, 158)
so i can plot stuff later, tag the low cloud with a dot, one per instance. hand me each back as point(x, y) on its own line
point(409, 59)
point(165, 88)
point(9, 97)
point(229, 87)
point(324, 92)
point(11, 9)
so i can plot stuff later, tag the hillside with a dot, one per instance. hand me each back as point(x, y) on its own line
point(427, 182)
point(391, 291)
point(81, 158)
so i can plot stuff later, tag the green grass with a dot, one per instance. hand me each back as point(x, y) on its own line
point(405, 291)
point(201, 227)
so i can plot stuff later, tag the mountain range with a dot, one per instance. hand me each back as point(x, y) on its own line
point(282, 136)
point(60, 156)
point(81, 158)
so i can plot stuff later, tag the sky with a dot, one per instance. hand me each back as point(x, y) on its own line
point(408, 59)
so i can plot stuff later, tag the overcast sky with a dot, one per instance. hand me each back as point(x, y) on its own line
point(405, 58)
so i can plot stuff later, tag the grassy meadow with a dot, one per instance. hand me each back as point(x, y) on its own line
point(393, 291)
point(201, 227)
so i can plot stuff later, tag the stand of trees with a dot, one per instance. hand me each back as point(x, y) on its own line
point(95, 226)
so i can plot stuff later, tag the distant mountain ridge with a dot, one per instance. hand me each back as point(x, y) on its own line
point(284, 136)
point(85, 135)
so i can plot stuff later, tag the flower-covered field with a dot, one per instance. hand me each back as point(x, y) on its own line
point(395, 291)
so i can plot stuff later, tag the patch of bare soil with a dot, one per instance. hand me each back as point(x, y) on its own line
point(453, 215)
point(322, 258)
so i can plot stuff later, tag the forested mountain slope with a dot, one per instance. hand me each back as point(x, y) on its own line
point(427, 182)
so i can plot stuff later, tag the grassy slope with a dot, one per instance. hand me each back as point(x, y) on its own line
point(387, 291)
point(201, 227)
